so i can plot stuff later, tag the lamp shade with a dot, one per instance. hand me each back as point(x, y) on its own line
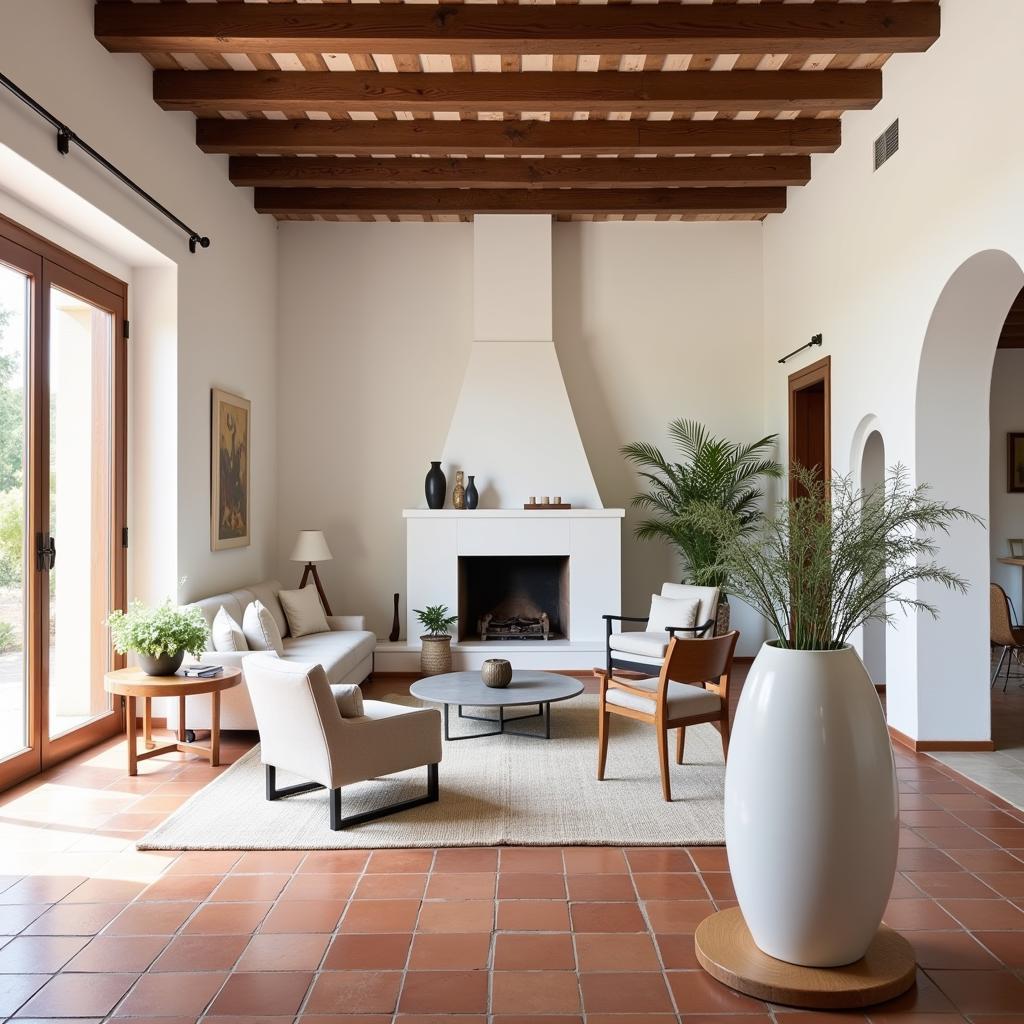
point(311, 546)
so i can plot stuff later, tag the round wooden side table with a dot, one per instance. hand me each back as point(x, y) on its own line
point(133, 684)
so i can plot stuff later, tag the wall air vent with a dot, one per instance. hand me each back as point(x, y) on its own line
point(887, 143)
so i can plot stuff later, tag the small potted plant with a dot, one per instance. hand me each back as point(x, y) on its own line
point(436, 655)
point(158, 636)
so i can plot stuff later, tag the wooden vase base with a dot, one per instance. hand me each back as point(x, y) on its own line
point(727, 952)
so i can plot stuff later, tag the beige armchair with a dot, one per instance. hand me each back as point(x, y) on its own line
point(331, 736)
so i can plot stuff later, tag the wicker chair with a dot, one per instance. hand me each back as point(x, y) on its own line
point(1003, 632)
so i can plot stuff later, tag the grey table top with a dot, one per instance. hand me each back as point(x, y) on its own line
point(468, 688)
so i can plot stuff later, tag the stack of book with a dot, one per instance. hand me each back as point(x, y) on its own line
point(200, 671)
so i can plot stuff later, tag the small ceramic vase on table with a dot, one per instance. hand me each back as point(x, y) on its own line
point(459, 491)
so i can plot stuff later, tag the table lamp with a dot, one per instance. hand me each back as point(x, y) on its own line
point(311, 547)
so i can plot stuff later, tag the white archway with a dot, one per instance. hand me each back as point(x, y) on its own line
point(952, 456)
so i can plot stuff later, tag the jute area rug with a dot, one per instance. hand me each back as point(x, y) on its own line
point(502, 790)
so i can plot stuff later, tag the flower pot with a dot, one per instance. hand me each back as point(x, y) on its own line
point(436, 655)
point(164, 665)
point(811, 806)
point(722, 617)
point(496, 673)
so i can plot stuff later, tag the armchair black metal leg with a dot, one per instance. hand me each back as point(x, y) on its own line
point(999, 666)
point(1006, 681)
point(273, 793)
point(338, 822)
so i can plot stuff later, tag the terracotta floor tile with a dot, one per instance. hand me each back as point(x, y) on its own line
point(16, 989)
point(41, 889)
point(924, 997)
point(950, 950)
point(283, 953)
point(400, 861)
point(345, 862)
point(646, 1018)
point(925, 860)
point(955, 838)
point(619, 951)
point(43, 954)
point(910, 915)
point(151, 918)
point(268, 862)
point(322, 886)
point(603, 888)
point(164, 995)
point(1007, 946)
point(625, 993)
point(987, 860)
point(719, 884)
point(985, 915)
point(981, 991)
point(467, 860)
point(697, 992)
point(533, 915)
point(949, 885)
point(74, 919)
point(117, 954)
point(78, 995)
point(236, 888)
point(181, 887)
point(227, 918)
point(677, 886)
point(677, 952)
point(521, 885)
point(104, 890)
point(448, 992)
point(368, 952)
point(267, 994)
point(532, 860)
point(472, 886)
point(593, 860)
point(354, 992)
point(532, 1018)
point(710, 858)
point(659, 859)
point(303, 916)
point(201, 953)
point(204, 862)
point(525, 952)
point(380, 916)
point(534, 992)
point(607, 917)
point(456, 916)
point(450, 952)
point(1006, 883)
point(17, 916)
point(391, 887)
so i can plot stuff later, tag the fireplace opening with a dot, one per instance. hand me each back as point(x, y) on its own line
point(513, 597)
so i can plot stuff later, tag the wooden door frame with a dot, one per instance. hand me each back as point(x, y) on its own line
point(819, 372)
point(54, 266)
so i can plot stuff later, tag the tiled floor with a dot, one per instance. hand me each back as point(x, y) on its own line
point(92, 929)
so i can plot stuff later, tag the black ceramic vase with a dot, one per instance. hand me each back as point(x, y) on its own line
point(396, 628)
point(472, 494)
point(435, 486)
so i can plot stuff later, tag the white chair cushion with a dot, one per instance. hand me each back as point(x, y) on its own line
point(304, 612)
point(668, 611)
point(646, 645)
point(708, 597)
point(349, 698)
point(338, 652)
point(684, 700)
point(227, 633)
point(261, 630)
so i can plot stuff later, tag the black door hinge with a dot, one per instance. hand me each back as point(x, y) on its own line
point(126, 325)
point(124, 536)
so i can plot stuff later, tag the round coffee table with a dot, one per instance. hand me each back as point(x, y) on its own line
point(466, 689)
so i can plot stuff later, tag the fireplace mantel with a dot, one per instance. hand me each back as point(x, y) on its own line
point(514, 513)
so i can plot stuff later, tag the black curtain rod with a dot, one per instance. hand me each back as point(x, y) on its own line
point(813, 343)
point(65, 136)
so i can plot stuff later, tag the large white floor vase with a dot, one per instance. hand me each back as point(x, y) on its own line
point(811, 806)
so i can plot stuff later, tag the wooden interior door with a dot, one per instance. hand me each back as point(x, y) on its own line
point(810, 421)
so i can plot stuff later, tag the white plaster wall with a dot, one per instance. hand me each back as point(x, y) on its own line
point(652, 321)
point(1006, 511)
point(222, 318)
point(863, 257)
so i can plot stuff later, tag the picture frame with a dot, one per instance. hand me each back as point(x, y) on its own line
point(1016, 547)
point(1015, 463)
point(230, 463)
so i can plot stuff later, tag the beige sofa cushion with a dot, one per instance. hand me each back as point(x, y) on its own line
point(339, 652)
point(261, 630)
point(226, 633)
point(304, 612)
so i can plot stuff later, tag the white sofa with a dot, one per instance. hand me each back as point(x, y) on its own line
point(346, 654)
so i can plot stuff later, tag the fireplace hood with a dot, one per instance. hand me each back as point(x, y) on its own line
point(513, 427)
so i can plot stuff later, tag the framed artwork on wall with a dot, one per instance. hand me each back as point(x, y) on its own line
point(1016, 547)
point(1015, 463)
point(230, 493)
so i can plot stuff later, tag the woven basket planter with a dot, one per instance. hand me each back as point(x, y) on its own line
point(722, 619)
point(436, 655)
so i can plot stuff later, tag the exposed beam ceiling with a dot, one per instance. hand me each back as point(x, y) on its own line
point(586, 172)
point(508, 28)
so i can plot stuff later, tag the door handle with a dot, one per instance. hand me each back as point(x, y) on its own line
point(46, 552)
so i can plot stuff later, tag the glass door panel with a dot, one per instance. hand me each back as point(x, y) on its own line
point(78, 550)
point(15, 324)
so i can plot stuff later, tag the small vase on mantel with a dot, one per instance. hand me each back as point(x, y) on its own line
point(396, 626)
point(472, 494)
point(435, 486)
point(459, 491)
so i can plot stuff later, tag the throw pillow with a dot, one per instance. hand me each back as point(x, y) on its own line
point(227, 634)
point(667, 611)
point(303, 610)
point(260, 629)
point(349, 698)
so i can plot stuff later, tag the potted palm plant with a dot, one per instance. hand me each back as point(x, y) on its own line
point(811, 804)
point(436, 653)
point(158, 636)
point(713, 472)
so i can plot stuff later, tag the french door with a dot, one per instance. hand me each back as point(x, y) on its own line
point(63, 447)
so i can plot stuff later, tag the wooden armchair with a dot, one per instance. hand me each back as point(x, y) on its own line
point(1002, 632)
point(692, 687)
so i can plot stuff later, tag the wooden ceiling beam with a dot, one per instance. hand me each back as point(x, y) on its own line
point(510, 28)
point(295, 92)
point(547, 172)
point(287, 201)
point(518, 138)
